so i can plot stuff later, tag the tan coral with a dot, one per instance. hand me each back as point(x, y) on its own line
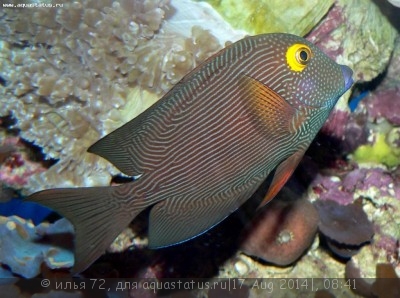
point(69, 71)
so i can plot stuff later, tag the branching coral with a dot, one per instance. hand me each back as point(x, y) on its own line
point(70, 73)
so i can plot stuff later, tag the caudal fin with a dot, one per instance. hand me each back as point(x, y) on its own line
point(98, 214)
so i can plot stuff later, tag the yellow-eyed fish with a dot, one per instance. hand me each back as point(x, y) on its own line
point(205, 147)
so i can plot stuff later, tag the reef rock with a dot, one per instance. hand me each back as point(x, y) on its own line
point(266, 16)
point(23, 248)
point(382, 108)
point(357, 34)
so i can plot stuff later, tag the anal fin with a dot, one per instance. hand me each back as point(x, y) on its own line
point(177, 219)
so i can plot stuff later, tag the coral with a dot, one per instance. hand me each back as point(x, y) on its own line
point(35, 77)
point(16, 167)
point(72, 74)
point(379, 190)
point(23, 249)
point(330, 188)
point(272, 16)
point(281, 232)
point(346, 227)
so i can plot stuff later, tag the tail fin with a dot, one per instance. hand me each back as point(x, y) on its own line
point(97, 213)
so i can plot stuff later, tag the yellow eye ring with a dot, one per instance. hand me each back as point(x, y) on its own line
point(298, 56)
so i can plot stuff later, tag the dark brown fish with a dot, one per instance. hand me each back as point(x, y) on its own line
point(206, 146)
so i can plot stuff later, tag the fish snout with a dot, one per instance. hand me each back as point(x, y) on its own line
point(348, 76)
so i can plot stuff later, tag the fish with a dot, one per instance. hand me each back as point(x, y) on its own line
point(204, 148)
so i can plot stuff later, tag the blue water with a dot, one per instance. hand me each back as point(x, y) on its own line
point(353, 102)
point(27, 210)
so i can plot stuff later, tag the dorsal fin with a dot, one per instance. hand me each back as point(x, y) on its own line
point(123, 146)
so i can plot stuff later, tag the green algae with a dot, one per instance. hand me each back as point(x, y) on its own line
point(265, 16)
point(378, 152)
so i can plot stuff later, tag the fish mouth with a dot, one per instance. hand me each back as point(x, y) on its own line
point(348, 79)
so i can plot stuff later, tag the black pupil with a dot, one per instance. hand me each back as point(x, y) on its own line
point(303, 55)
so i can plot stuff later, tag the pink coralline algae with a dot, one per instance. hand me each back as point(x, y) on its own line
point(281, 232)
point(363, 179)
point(342, 189)
point(350, 36)
point(349, 129)
point(322, 35)
point(384, 104)
point(17, 166)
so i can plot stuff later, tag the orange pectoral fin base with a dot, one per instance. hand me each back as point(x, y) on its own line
point(282, 175)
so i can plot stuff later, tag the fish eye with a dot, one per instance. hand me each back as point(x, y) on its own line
point(298, 56)
point(303, 55)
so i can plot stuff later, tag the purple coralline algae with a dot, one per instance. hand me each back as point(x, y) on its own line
point(350, 185)
point(384, 104)
point(349, 129)
point(351, 36)
point(16, 166)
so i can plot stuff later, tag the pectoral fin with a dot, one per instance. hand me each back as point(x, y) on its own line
point(271, 109)
point(281, 176)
